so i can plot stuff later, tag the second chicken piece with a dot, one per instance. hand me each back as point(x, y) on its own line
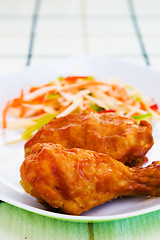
point(117, 136)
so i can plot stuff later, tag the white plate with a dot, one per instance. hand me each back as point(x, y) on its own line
point(11, 156)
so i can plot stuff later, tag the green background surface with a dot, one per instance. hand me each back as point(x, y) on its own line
point(18, 224)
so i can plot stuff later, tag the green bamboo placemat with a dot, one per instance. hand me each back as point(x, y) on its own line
point(18, 224)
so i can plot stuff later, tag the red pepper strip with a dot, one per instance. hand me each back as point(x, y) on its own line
point(106, 111)
point(4, 122)
point(154, 107)
point(74, 78)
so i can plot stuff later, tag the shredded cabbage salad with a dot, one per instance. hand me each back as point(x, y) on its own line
point(75, 94)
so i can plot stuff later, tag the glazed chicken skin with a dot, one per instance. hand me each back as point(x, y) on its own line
point(117, 136)
point(76, 180)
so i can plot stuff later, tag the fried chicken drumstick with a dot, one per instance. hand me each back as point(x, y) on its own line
point(76, 180)
point(117, 136)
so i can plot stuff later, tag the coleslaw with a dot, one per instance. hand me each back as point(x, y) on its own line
point(75, 94)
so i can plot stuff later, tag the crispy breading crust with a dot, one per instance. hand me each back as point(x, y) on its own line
point(76, 180)
point(118, 136)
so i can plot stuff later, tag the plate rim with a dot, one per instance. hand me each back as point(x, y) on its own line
point(72, 218)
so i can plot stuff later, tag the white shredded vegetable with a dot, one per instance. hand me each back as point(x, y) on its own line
point(40, 92)
point(70, 109)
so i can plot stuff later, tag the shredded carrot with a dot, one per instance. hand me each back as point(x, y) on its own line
point(142, 105)
point(40, 112)
point(72, 79)
point(34, 88)
point(22, 110)
point(15, 102)
point(36, 100)
point(5, 111)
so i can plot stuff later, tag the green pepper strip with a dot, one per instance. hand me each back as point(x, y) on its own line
point(53, 96)
point(38, 124)
point(142, 116)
